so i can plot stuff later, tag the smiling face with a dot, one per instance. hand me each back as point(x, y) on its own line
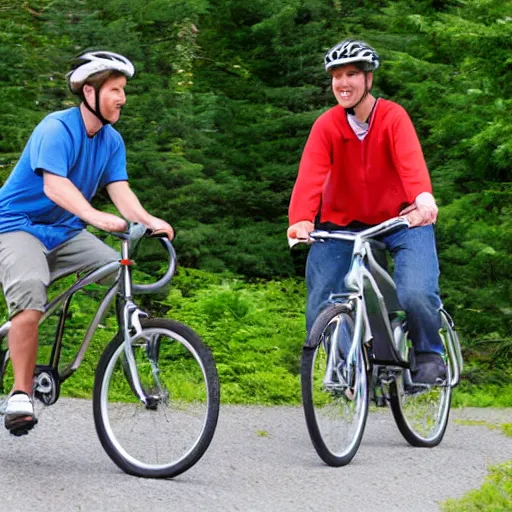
point(348, 84)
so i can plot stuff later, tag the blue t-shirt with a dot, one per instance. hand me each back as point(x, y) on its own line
point(60, 145)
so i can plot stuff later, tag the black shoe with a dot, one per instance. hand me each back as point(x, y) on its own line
point(430, 368)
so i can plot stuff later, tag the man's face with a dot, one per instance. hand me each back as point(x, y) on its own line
point(112, 98)
point(348, 84)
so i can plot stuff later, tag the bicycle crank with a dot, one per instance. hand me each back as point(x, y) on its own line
point(46, 384)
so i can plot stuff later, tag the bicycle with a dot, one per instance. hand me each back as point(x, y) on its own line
point(156, 390)
point(358, 350)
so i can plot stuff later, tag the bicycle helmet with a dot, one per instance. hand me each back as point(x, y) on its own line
point(91, 63)
point(352, 51)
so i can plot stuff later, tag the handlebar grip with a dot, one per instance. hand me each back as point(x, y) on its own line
point(155, 287)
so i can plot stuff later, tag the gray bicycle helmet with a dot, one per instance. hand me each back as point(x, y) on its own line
point(352, 51)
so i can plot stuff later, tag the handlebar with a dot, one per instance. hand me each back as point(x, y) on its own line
point(156, 286)
point(134, 235)
point(365, 234)
point(373, 231)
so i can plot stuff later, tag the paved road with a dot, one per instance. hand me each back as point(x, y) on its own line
point(261, 459)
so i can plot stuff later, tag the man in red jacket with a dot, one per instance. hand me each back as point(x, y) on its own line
point(363, 164)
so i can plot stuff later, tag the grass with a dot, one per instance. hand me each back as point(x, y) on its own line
point(482, 395)
point(495, 495)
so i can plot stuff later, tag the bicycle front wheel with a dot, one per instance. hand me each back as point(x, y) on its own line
point(171, 431)
point(335, 400)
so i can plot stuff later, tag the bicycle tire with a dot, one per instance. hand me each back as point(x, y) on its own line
point(421, 414)
point(183, 401)
point(6, 378)
point(335, 416)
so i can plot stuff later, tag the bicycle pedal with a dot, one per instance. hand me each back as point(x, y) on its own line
point(22, 428)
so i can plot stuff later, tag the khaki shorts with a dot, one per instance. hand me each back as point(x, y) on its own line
point(27, 267)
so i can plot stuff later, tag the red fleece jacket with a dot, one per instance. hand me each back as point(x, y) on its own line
point(346, 179)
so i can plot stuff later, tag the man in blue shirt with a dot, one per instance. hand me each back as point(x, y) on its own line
point(45, 207)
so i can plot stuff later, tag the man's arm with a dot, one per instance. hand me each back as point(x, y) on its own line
point(130, 208)
point(65, 194)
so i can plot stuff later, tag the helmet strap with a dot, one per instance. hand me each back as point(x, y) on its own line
point(96, 111)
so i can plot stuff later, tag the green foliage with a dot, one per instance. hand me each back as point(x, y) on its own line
point(494, 496)
point(476, 258)
point(498, 394)
point(255, 330)
point(220, 107)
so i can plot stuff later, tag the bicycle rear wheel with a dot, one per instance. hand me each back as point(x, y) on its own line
point(335, 409)
point(172, 431)
point(421, 413)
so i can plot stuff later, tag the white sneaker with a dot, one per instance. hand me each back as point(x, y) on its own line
point(19, 414)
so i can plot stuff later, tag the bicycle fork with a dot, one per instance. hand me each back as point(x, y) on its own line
point(345, 370)
point(130, 317)
point(131, 323)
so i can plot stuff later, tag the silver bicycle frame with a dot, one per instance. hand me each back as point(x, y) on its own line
point(355, 283)
point(128, 313)
point(93, 277)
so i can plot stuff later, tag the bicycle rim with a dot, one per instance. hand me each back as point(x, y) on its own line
point(170, 433)
point(421, 414)
point(335, 413)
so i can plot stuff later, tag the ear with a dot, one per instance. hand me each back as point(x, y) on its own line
point(90, 94)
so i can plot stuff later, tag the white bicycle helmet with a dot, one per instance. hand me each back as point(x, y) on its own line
point(91, 63)
point(352, 51)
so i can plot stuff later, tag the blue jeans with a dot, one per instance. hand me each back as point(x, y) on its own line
point(416, 276)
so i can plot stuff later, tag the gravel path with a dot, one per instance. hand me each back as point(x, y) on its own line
point(261, 459)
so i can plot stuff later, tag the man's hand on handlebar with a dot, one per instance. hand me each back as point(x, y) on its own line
point(160, 226)
point(106, 221)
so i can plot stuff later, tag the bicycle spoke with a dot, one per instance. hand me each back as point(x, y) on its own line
point(424, 410)
point(172, 430)
point(335, 400)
